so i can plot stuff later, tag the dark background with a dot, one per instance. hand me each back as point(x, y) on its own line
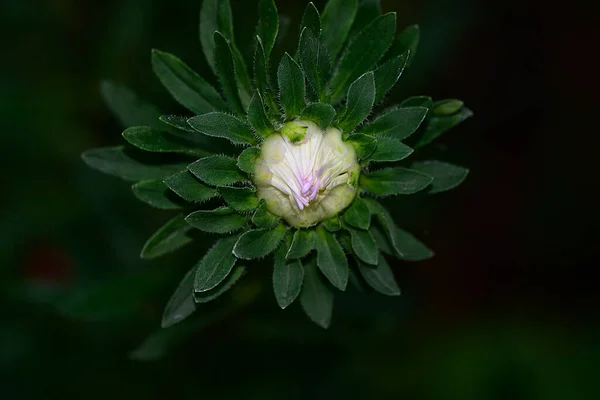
point(508, 309)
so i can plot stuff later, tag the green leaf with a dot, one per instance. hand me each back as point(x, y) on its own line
point(383, 243)
point(331, 259)
point(398, 123)
point(268, 24)
point(257, 118)
point(154, 140)
point(287, 278)
point(259, 242)
point(337, 20)
point(188, 188)
point(407, 40)
point(247, 159)
point(316, 298)
point(127, 164)
point(388, 74)
point(186, 86)
point(303, 243)
point(321, 114)
point(391, 181)
point(364, 245)
point(170, 237)
point(363, 53)
point(311, 20)
point(177, 122)
point(332, 224)
point(445, 176)
point(215, 265)
point(405, 245)
point(291, 87)
point(223, 287)
point(315, 62)
point(215, 15)
point(128, 107)
point(390, 150)
point(363, 144)
point(241, 199)
point(221, 220)
point(417, 101)
point(156, 194)
point(437, 125)
point(181, 304)
point(226, 72)
point(358, 215)
point(224, 126)
point(361, 96)
point(261, 74)
point(447, 107)
point(380, 277)
point(409, 247)
point(262, 218)
point(217, 171)
point(368, 11)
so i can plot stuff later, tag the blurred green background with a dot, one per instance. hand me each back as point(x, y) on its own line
point(507, 309)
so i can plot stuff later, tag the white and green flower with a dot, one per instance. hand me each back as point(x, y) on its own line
point(287, 172)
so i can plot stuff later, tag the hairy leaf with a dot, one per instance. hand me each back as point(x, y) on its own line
point(337, 20)
point(358, 215)
point(170, 237)
point(224, 126)
point(331, 259)
point(380, 277)
point(399, 123)
point(156, 194)
point(221, 220)
point(215, 265)
point(258, 243)
point(226, 72)
point(217, 171)
point(390, 150)
point(291, 87)
point(189, 188)
point(437, 125)
point(257, 118)
point(268, 24)
point(315, 62)
point(287, 278)
point(303, 243)
point(155, 140)
point(128, 107)
point(316, 298)
point(391, 181)
point(363, 144)
point(181, 304)
point(263, 218)
point(445, 176)
point(241, 199)
point(321, 114)
point(388, 74)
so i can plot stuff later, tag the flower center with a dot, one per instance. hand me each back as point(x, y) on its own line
point(308, 176)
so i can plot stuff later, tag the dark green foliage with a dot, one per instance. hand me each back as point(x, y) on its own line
point(436, 125)
point(268, 24)
point(361, 96)
point(128, 108)
point(407, 40)
point(226, 72)
point(363, 144)
point(287, 277)
point(263, 218)
point(241, 199)
point(336, 22)
point(247, 159)
point(291, 87)
point(259, 242)
point(181, 304)
point(331, 259)
point(223, 126)
point(379, 277)
point(155, 140)
point(364, 245)
point(226, 284)
point(389, 150)
point(388, 74)
point(221, 220)
point(157, 194)
point(390, 181)
point(316, 297)
point(311, 20)
point(445, 176)
point(186, 186)
point(315, 62)
point(398, 123)
point(257, 118)
point(303, 243)
point(170, 237)
point(215, 265)
point(357, 215)
point(321, 114)
point(217, 171)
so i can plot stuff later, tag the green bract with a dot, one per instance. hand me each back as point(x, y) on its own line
point(309, 155)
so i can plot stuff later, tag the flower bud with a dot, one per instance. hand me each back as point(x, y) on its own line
point(306, 175)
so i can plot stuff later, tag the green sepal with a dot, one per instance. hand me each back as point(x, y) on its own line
point(407, 40)
point(392, 181)
point(363, 144)
point(126, 164)
point(258, 243)
point(364, 245)
point(217, 170)
point(226, 284)
point(332, 224)
point(226, 72)
point(156, 194)
point(158, 141)
point(311, 19)
point(247, 159)
point(331, 259)
point(291, 87)
point(187, 87)
point(336, 22)
point(379, 277)
point(223, 125)
point(263, 218)
point(287, 277)
point(358, 215)
point(437, 125)
point(214, 267)
point(303, 242)
point(417, 101)
point(321, 114)
point(363, 53)
point(257, 117)
point(316, 297)
point(388, 74)
point(390, 150)
point(398, 123)
point(181, 304)
point(361, 97)
point(220, 220)
point(315, 62)
point(128, 107)
point(241, 199)
point(445, 176)
point(170, 237)
point(268, 24)
point(189, 188)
